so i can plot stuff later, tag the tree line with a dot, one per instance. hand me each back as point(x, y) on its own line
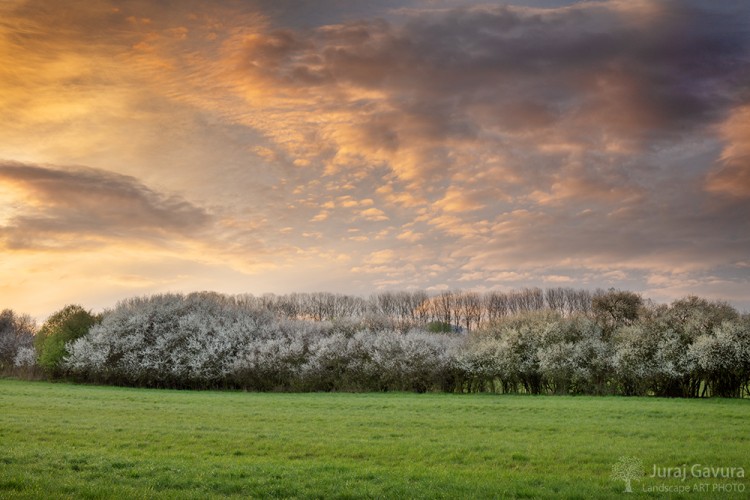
point(454, 309)
point(553, 341)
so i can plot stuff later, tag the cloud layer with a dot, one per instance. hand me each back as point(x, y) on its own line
point(408, 144)
point(74, 207)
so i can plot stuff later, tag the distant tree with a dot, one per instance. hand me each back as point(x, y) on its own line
point(578, 300)
point(420, 307)
point(16, 333)
point(677, 328)
point(25, 358)
point(495, 305)
point(722, 358)
point(616, 308)
point(406, 306)
point(439, 327)
point(470, 307)
point(384, 303)
point(635, 359)
point(443, 306)
point(555, 298)
point(520, 338)
point(694, 316)
point(562, 341)
point(66, 325)
point(573, 358)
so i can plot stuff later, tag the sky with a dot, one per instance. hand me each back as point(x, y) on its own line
point(358, 146)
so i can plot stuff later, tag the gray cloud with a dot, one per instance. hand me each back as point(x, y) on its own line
point(591, 143)
point(677, 69)
point(573, 101)
point(70, 207)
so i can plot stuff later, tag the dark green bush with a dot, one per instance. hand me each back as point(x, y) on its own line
point(66, 325)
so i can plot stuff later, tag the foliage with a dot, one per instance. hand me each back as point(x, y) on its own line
point(616, 308)
point(722, 359)
point(210, 340)
point(66, 325)
point(16, 336)
point(622, 345)
point(439, 327)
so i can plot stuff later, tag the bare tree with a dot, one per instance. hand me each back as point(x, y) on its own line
point(579, 301)
point(471, 309)
point(495, 305)
point(385, 303)
point(443, 307)
point(555, 298)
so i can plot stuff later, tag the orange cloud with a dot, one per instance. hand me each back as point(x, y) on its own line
point(732, 174)
point(373, 214)
point(478, 144)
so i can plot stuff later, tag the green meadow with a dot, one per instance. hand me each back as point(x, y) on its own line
point(75, 441)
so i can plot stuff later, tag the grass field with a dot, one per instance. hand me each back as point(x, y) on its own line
point(73, 441)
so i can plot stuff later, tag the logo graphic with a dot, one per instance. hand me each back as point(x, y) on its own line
point(628, 469)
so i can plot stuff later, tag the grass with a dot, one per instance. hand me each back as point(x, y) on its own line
point(75, 441)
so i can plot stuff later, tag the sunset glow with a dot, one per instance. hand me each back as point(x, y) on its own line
point(258, 146)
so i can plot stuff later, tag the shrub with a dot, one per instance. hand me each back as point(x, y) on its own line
point(723, 358)
point(439, 327)
point(16, 335)
point(66, 325)
point(616, 308)
point(690, 348)
point(166, 340)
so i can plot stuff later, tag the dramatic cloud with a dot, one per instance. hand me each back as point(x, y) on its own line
point(421, 94)
point(72, 208)
point(732, 174)
point(360, 145)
